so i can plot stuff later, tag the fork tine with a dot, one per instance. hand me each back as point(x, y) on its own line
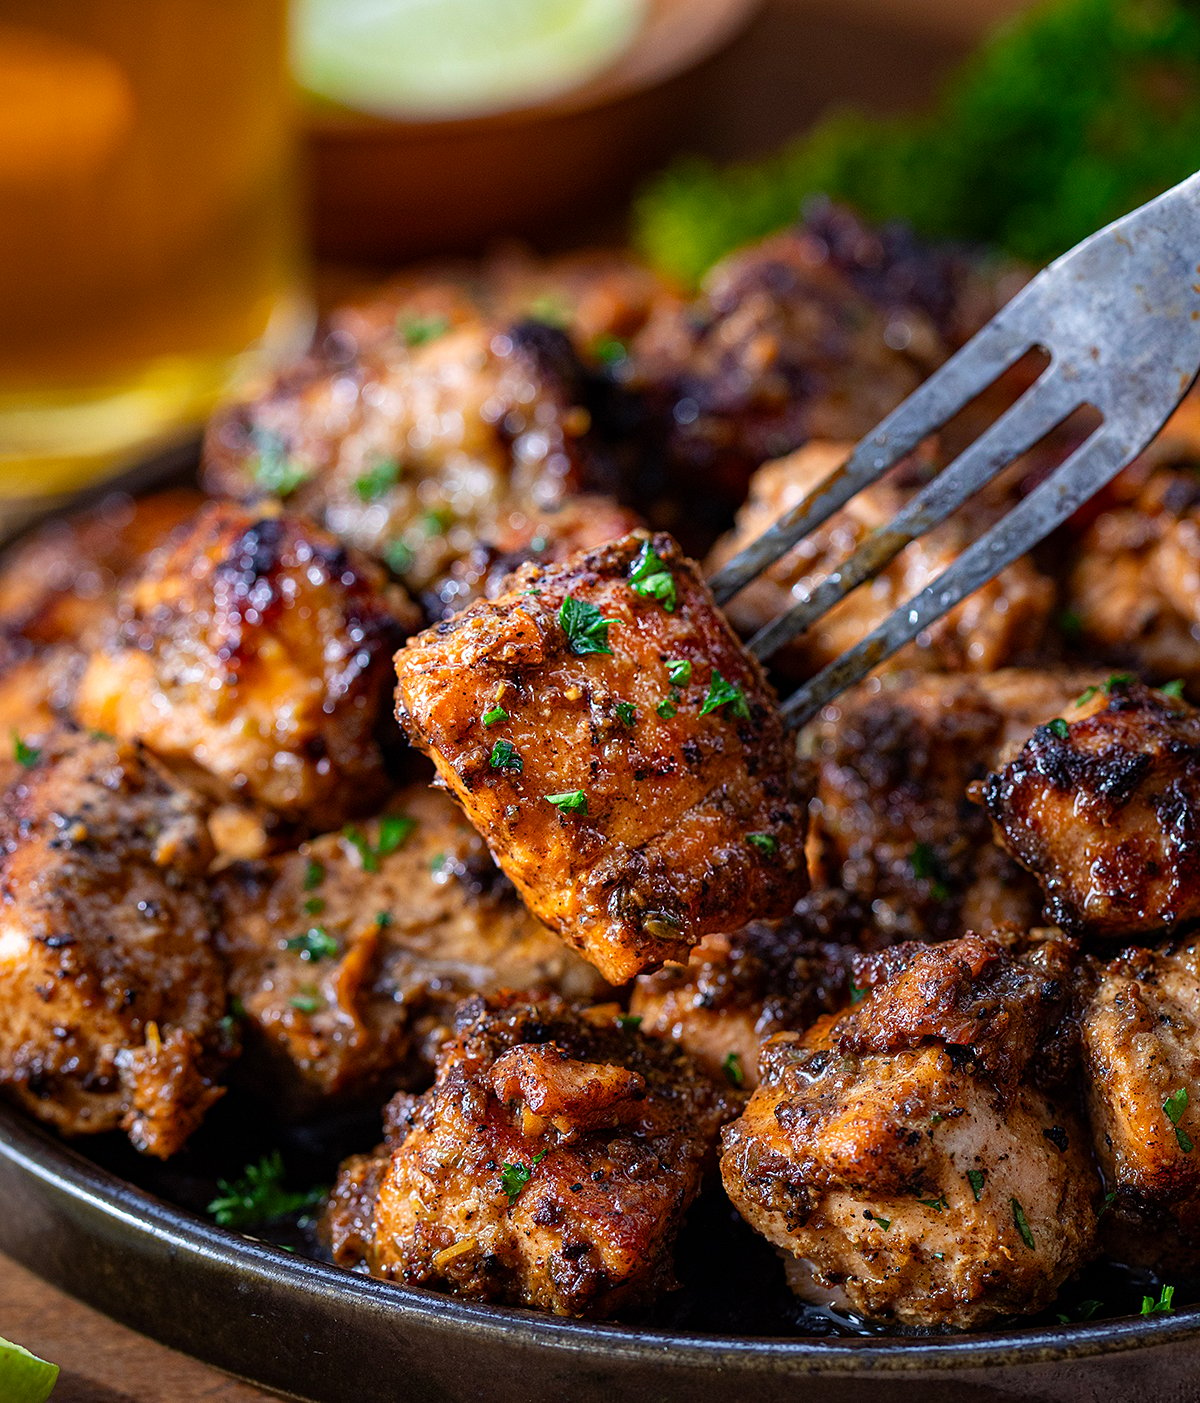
point(1084, 473)
point(968, 372)
point(1045, 405)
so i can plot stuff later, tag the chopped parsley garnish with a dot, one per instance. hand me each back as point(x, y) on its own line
point(1174, 688)
point(586, 628)
point(976, 1177)
point(378, 480)
point(1083, 1311)
point(679, 670)
point(1058, 727)
point(731, 1065)
point(884, 1223)
point(570, 801)
point(1086, 695)
point(315, 944)
point(937, 1204)
point(259, 1197)
point(514, 1177)
point(274, 471)
point(1174, 1106)
point(667, 709)
point(438, 864)
point(629, 1020)
point(314, 875)
point(857, 995)
point(766, 843)
point(26, 756)
point(722, 693)
point(416, 331)
point(609, 350)
point(1163, 1306)
point(314, 906)
point(383, 919)
point(307, 1000)
point(926, 866)
point(394, 831)
point(505, 757)
point(626, 712)
point(494, 715)
point(550, 310)
point(650, 578)
point(437, 521)
point(1022, 1223)
point(397, 557)
point(1119, 680)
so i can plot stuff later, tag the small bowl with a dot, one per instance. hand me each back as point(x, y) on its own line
point(385, 189)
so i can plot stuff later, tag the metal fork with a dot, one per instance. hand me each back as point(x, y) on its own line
point(1119, 318)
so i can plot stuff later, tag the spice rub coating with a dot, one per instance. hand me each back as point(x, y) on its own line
point(349, 955)
point(917, 1155)
point(111, 993)
point(254, 650)
point(618, 750)
point(1100, 805)
point(550, 1165)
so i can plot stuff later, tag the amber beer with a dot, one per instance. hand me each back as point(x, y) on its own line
point(147, 230)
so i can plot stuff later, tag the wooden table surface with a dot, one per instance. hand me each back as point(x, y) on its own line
point(797, 56)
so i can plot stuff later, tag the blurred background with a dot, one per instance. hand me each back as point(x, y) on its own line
point(183, 182)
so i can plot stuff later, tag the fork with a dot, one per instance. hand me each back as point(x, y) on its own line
point(1119, 318)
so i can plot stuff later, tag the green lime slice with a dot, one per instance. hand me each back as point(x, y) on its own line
point(24, 1378)
point(442, 58)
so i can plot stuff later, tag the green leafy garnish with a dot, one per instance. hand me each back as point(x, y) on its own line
point(1174, 688)
point(1174, 1106)
point(315, 944)
point(314, 906)
point(26, 756)
point(857, 995)
point(610, 350)
point(1163, 1306)
point(650, 578)
point(884, 1223)
point(1117, 681)
point(766, 843)
point(416, 331)
point(504, 757)
point(383, 919)
point(937, 1204)
point(586, 628)
point(1083, 1311)
point(394, 831)
point(722, 693)
point(1086, 695)
point(307, 1000)
point(976, 1177)
point(629, 1020)
point(397, 557)
point(378, 480)
point(437, 521)
point(274, 471)
point(667, 709)
point(258, 1197)
point(314, 875)
point(679, 670)
point(731, 1065)
point(1022, 1224)
point(927, 866)
point(494, 715)
point(514, 1177)
point(626, 712)
point(571, 801)
point(1058, 727)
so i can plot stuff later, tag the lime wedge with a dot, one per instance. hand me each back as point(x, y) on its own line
point(444, 58)
point(24, 1378)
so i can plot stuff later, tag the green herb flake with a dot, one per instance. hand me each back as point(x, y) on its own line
point(26, 756)
point(857, 995)
point(494, 715)
point(514, 1177)
point(1086, 695)
point(1058, 727)
point(504, 757)
point(418, 331)
point(609, 350)
point(1022, 1224)
point(651, 578)
point(314, 906)
point(722, 693)
point(937, 1204)
point(626, 713)
point(629, 1020)
point(570, 801)
point(1118, 681)
point(731, 1065)
point(667, 709)
point(679, 670)
point(383, 919)
point(376, 482)
point(884, 1223)
point(1085, 1310)
point(394, 831)
point(367, 857)
point(927, 866)
point(586, 628)
point(314, 875)
point(766, 843)
point(437, 521)
point(1174, 688)
point(1165, 1305)
point(274, 471)
point(397, 557)
point(1174, 1107)
point(976, 1177)
point(307, 1000)
point(315, 944)
point(258, 1197)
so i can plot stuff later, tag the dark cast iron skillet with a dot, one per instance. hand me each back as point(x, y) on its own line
point(107, 1228)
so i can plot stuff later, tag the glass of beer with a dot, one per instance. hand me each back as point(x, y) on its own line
point(148, 232)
